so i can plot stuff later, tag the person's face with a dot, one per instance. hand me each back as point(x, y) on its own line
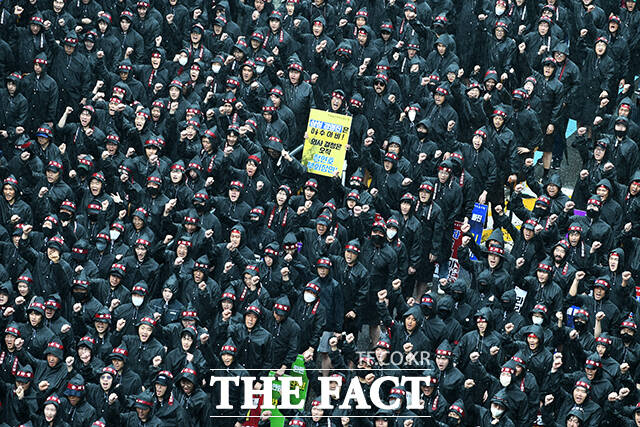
point(350, 257)
point(23, 289)
point(598, 293)
point(559, 57)
point(227, 359)
point(543, 28)
point(620, 127)
point(187, 386)
point(278, 317)
point(443, 175)
point(499, 33)
point(442, 362)
point(10, 341)
point(381, 422)
point(542, 276)
point(321, 229)
point(598, 153)
point(161, 389)
point(493, 260)
point(630, 6)
point(294, 76)
point(58, 5)
point(482, 326)
point(579, 395)
point(317, 29)
point(274, 24)
point(548, 70)
point(409, 14)
point(498, 121)
point(613, 263)
point(410, 323)
point(141, 251)
point(186, 341)
point(144, 332)
point(323, 272)
point(35, 318)
point(235, 238)
point(11, 87)
point(50, 412)
point(601, 48)
point(52, 360)
point(198, 276)
point(138, 223)
point(9, 192)
point(247, 74)
point(232, 138)
point(95, 186)
point(250, 320)
point(532, 342)
point(438, 98)
point(73, 400)
point(558, 254)
point(102, 26)
point(226, 305)
point(590, 373)
point(574, 238)
point(101, 327)
point(143, 413)
point(613, 27)
point(52, 176)
point(362, 37)
point(603, 192)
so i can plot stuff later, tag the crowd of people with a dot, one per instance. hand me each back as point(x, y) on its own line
point(156, 222)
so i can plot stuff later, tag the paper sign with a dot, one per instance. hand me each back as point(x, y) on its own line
point(326, 144)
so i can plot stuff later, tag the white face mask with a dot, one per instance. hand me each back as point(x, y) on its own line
point(537, 320)
point(309, 297)
point(259, 69)
point(182, 60)
point(216, 68)
point(495, 413)
point(114, 234)
point(137, 300)
point(391, 233)
point(505, 380)
point(499, 10)
point(412, 115)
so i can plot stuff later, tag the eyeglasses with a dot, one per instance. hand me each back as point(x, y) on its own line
point(379, 84)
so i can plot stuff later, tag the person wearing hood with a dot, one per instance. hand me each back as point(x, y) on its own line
point(310, 315)
point(541, 289)
point(285, 332)
point(253, 341)
point(580, 254)
point(499, 413)
point(595, 231)
point(483, 343)
point(568, 74)
point(145, 351)
point(136, 309)
point(500, 49)
point(621, 281)
point(533, 349)
point(165, 407)
point(74, 408)
point(168, 305)
point(435, 404)
point(19, 396)
point(140, 265)
point(143, 404)
point(185, 353)
point(177, 188)
point(228, 366)
point(598, 302)
point(12, 205)
point(41, 91)
point(601, 385)
point(449, 379)
point(495, 263)
point(50, 373)
point(561, 404)
point(55, 321)
point(51, 413)
point(407, 336)
point(527, 242)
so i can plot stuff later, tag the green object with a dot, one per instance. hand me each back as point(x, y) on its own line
point(297, 370)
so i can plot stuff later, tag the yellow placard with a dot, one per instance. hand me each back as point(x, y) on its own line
point(326, 143)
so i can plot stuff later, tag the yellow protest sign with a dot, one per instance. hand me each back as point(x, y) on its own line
point(326, 143)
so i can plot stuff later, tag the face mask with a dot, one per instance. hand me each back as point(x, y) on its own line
point(412, 115)
point(309, 297)
point(507, 305)
point(626, 338)
point(182, 61)
point(580, 326)
point(80, 296)
point(458, 296)
point(391, 233)
point(48, 232)
point(378, 240)
point(496, 413)
point(64, 216)
point(539, 212)
point(82, 172)
point(536, 320)
point(499, 11)
point(92, 217)
point(154, 191)
point(114, 234)
point(216, 68)
point(422, 135)
point(444, 314)
point(620, 133)
point(137, 300)
point(517, 104)
point(452, 421)
point(505, 380)
point(259, 69)
point(593, 213)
